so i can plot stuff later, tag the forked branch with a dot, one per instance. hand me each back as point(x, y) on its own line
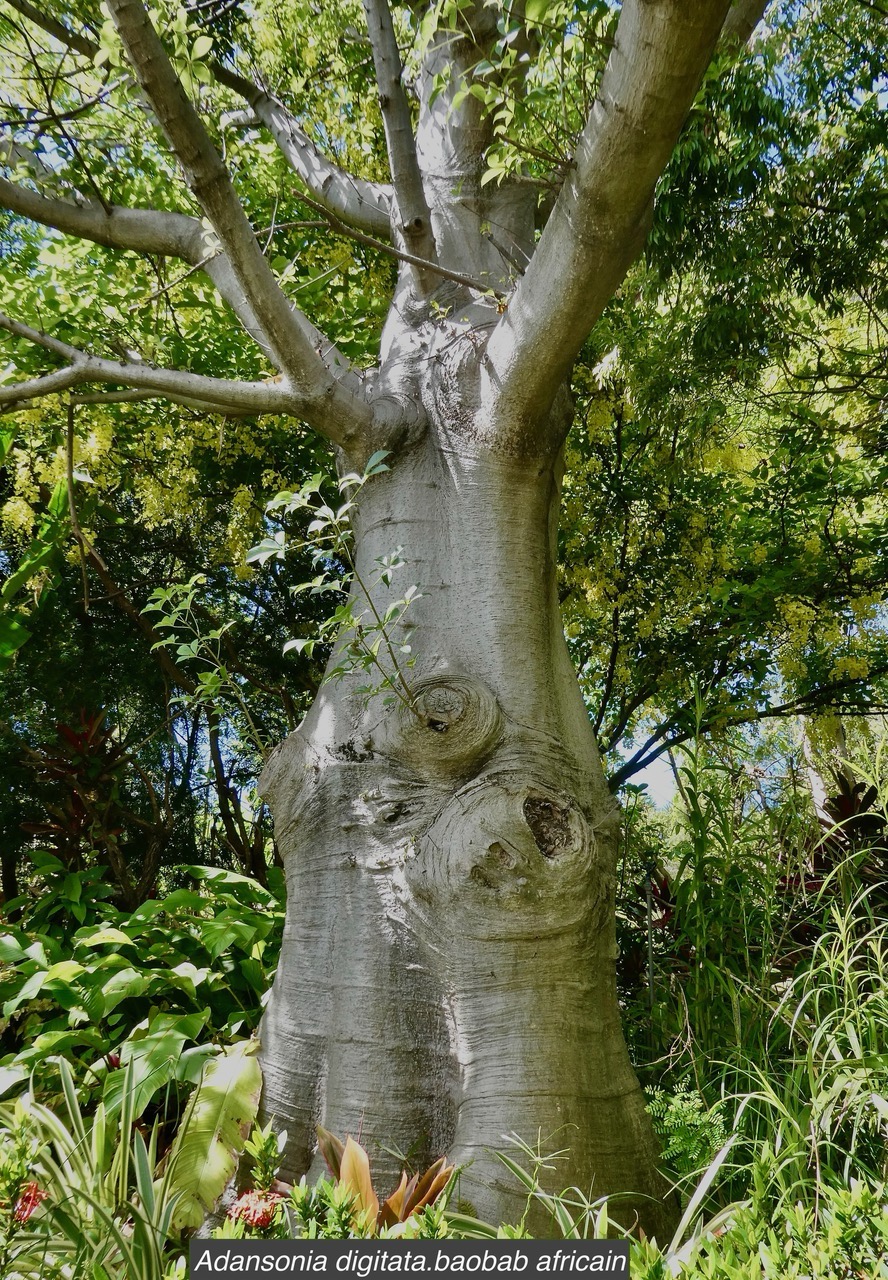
point(152, 231)
point(327, 397)
point(356, 201)
point(209, 181)
point(212, 394)
point(364, 205)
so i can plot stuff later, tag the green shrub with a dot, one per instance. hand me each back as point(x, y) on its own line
point(79, 1196)
point(690, 1133)
point(159, 988)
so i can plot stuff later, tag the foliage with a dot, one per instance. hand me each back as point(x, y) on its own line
point(141, 987)
point(204, 1156)
point(845, 1241)
point(95, 1209)
point(344, 1207)
point(363, 638)
point(769, 946)
point(723, 526)
point(181, 628)
point(690, 1133)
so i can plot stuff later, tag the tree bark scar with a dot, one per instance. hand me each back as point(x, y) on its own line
point(549, 825)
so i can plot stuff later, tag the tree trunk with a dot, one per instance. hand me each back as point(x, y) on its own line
point(447, 975)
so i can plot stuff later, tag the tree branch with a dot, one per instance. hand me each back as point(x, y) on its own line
point(600, 219)
point(325, 403)
point(153, 231)
point(743, 18)
point(165, 234)
point(79, 43)
point(433, 268)
point(414, 221)
point(213, 394)
point(356, 201)
point(364, 205)
point(671, 735)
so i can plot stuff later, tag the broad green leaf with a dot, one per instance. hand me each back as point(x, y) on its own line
point(13, 634)
point(103, 936)
point(151, 1055)
point(213, 1133)
point(10, 950)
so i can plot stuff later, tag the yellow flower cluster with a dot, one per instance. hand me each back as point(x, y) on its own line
point(799, 618)
point(850, 668)
point(18, 517)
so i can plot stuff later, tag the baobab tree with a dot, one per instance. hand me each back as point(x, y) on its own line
point(447, 973)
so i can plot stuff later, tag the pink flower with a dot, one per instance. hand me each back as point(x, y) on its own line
point(31, 1196)
point(256, 1208)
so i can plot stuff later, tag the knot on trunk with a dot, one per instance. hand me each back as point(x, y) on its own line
point(507, 837)
point(453, 726)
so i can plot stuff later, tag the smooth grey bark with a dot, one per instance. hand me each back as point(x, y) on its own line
point(448, 969)
point(447, 974)
point(448, 966)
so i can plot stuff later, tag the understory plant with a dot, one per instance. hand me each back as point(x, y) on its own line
point(87, 1202)
point(343, 1206)
point(365, 636)
point(159, 988)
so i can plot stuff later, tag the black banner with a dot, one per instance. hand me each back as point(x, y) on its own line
point(441, 1258)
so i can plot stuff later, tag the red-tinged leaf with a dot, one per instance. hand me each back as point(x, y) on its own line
point(436, 1188)
point(390, 1213)
point(354, 1176)
point(429, 1186)
point(330, 1148)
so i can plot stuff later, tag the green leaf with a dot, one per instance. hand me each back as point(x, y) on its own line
point(102, 936)
point(152, 1054)
point(10, 950)
point(216, 1126)
point(38, 554)
point(12, 636)
point(7, 440)
point(122, 985)
point(11, 1076)
point(375, 463)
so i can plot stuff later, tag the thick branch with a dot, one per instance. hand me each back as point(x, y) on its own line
point(169, 235)
point(599, 222)
point(413, 218)
point(174, 235)
point(743, 18)
point(155, 231)
point(326, 404)
point(358, 203)
point(213, 394)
